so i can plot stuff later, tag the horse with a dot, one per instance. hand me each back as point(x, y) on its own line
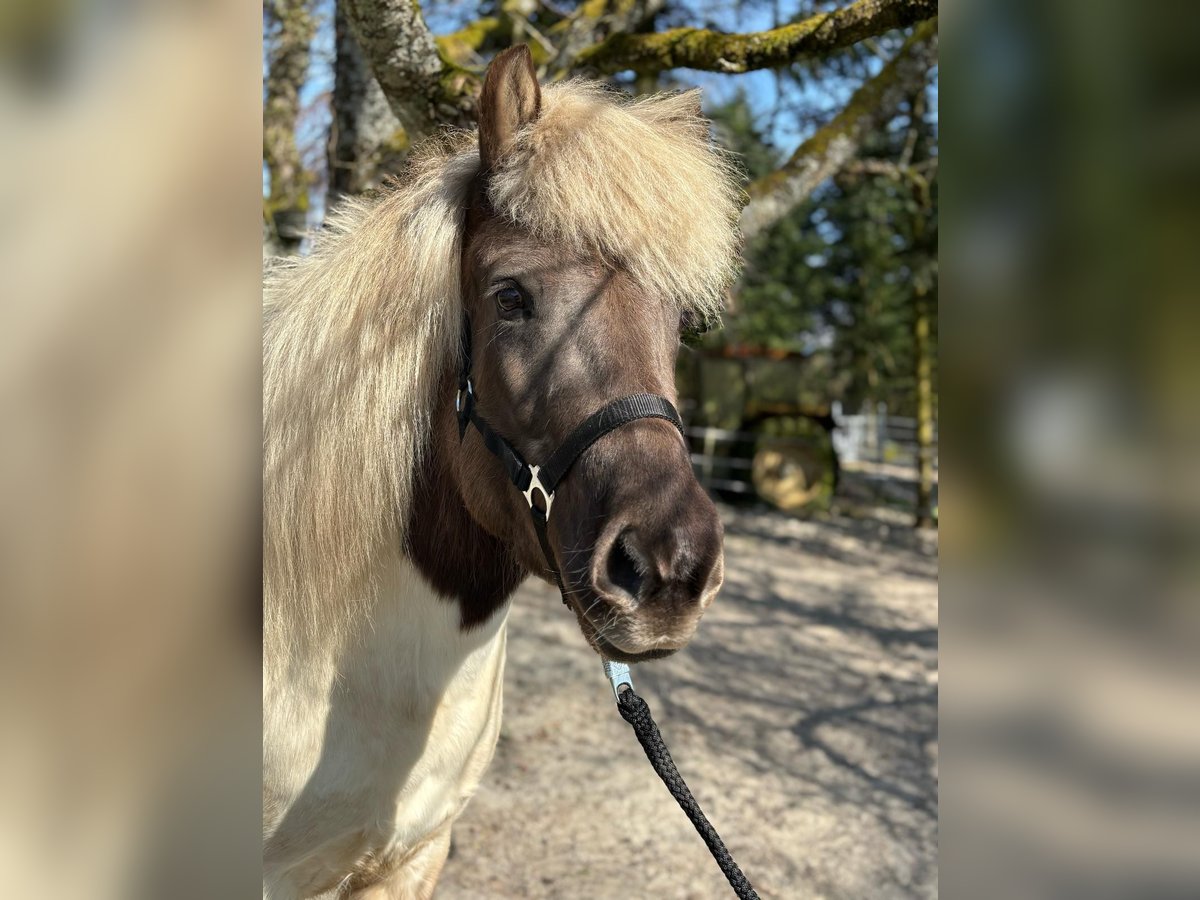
point(574, 231)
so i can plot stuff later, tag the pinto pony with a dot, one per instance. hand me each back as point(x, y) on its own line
point(574, 232)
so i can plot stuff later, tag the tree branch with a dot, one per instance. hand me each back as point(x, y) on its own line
point(822, 155)
point(423, 89)
point(286, 207)
point(462, 47)
point(595, 20)
point(366, 141)
point(897, 171)
point(698, 48)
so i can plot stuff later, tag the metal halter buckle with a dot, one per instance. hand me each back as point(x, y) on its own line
point(458, 396)
point(535, 483)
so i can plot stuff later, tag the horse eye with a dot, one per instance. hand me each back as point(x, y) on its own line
point(510, 298)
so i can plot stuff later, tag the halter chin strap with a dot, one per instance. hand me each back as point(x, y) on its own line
point(543, 479)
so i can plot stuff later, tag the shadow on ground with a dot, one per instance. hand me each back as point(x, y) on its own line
point(804, 716)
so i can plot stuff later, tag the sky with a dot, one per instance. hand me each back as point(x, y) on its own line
point(763, 89)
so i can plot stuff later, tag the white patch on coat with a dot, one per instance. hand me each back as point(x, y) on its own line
point(374, 745)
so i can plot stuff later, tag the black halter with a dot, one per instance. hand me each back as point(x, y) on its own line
point(543, 479)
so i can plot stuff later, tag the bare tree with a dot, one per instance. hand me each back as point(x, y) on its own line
point(366, 139)
point(424, 89)
point(290, 27)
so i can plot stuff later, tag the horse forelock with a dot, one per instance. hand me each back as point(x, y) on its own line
point(637, 181)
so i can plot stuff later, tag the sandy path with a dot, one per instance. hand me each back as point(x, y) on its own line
point(804, 717)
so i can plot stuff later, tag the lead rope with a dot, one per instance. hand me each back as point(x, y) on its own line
point(532, 480)
point(636, 712)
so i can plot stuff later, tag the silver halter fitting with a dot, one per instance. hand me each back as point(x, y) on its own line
point(535, 484)
point(458, 396)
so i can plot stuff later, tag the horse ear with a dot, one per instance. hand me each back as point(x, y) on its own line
point(510, 99)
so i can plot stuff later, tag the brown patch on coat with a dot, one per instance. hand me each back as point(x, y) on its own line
point(450, 548)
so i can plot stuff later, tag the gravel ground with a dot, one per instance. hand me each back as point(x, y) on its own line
point(803, 716)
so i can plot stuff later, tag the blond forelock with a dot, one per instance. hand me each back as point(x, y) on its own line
point(637, 181)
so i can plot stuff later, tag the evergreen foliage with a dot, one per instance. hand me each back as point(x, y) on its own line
point(834, 280)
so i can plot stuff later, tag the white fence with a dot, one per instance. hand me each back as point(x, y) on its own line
point(715, 466)
point(875, 436)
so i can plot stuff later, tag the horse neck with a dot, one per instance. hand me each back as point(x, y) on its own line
point(453, 552)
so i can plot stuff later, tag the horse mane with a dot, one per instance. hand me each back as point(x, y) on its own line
point(358, 334)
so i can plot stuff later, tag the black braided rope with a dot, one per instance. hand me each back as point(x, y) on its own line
point(636, 712)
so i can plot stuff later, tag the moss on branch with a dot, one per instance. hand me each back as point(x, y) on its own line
point(463, 45)
point(836, 143)
point(699, 48)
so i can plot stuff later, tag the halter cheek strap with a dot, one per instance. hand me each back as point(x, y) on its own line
point(543, 479)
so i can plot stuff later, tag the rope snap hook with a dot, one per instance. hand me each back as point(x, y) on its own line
point(618, 676)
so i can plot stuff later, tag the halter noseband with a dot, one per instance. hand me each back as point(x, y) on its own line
point(530, 479)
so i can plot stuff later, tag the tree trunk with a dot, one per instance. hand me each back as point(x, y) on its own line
point(367, 141)
point(923, 352)
point(292, 26)
point(423, 90)
point(924, 309)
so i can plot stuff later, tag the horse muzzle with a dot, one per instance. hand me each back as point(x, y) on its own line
point(649, 582)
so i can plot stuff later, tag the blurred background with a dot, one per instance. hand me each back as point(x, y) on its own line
point(141, 187)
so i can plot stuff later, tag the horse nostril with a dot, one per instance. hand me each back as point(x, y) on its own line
point(623, 569)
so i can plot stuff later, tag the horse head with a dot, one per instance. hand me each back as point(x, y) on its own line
point(583, 255)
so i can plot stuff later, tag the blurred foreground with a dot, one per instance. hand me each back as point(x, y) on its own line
point(130, 460)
